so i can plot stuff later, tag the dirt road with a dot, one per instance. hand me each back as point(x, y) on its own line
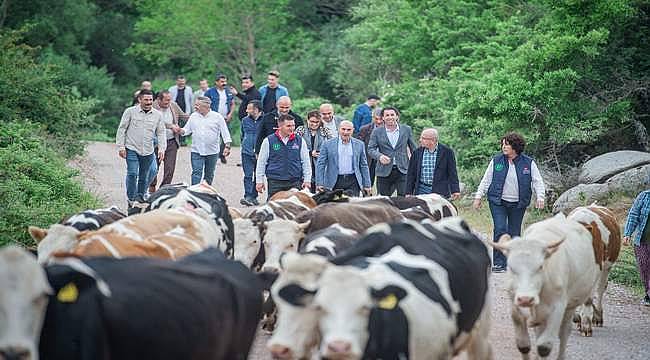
point(626, 334)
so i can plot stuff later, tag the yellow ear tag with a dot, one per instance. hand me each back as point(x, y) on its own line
point(68, 293)
point(388, 302)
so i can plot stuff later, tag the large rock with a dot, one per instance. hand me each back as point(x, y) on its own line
point(602, 167)
point(633, 180)
point(583, 194)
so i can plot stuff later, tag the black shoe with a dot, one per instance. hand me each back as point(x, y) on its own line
point(254, 202)
point(245, 202)
point(646, 301)
point(223, 159)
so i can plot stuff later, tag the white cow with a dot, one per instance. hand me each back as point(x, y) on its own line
point(21, 278)
point(552, 271)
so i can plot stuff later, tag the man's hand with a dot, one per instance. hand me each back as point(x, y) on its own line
point(226, 151)
point(315, 153)
point(320, 188)
point(384, 160)
point(260, 187)
point(306, 185)
point(626, 240)
point(233, 90)
point(161, 155)
point(539, 204)
point(476, 204)
point(228, 118)
point(367, 191)
point(122, 153)
point(455, 196)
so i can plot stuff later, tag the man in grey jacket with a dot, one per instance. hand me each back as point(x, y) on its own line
point(389, 146)
point(135, 140)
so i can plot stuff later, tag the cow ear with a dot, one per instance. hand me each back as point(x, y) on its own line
point(503, 245)
point(553, 247)
point(388, 297)
point(296, 295)
point(267, 279)
point(37, 233)
point(304, 226)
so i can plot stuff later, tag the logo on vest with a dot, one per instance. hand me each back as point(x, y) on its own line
point(295, 146)
point(526, 171)
point(276, 146)
point(498, 167)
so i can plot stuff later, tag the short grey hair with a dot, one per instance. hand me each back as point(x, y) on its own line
point(431, 130)
point(377, 112)
point(204, 100)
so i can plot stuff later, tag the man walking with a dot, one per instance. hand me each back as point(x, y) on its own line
point(171, 116)
point(223, 102)
point(364, 135)
point(249, 92)
point(249, 135)
point(135, 136)
point(432, 168)
point(363, 112)
point(389, 145)
point(330, 120)
point(206, 127)
point(283, 160)
point(203, 88)
point(182, 94)
point(269, 122)
point(272, 92)
point(342, 163)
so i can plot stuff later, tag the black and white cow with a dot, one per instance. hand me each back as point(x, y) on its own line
point(200, 307)
point(371, 304)
point(205, 201)
point(87, 220)
point(329, 241)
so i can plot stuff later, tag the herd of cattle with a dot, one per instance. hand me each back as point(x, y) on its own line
point(329, 276)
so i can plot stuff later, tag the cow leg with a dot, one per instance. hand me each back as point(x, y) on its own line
point(565, 331)
point(552, 329)
point(480, 347)
point(522, 338)
point(600, 291)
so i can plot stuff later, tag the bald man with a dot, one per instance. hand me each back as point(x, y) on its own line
point(342, 163)
point(330, 120)
point(269, 123)
point(432, 168)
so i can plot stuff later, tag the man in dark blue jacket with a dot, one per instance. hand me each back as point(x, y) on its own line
point(432, 168)
point(249, 126)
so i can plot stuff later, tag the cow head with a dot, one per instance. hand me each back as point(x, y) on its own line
point(57, 238)
point(327, 196)
point(281, 236)
point(23, 300)
point(247, 241)
point(526, 260)
point(345, 302)
point(296, 332)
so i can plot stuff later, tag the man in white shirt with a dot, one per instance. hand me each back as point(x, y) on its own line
point(206, 127)
point(135, 138)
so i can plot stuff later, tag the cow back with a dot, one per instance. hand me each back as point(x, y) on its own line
point(93, 219)
point(605, 232)
point(201, 307)
point(356, 216)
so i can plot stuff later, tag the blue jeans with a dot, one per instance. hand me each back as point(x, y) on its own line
point(423, 189)
point(203, 167)
point(248, 163)
point(507, 219)
point(137, 173)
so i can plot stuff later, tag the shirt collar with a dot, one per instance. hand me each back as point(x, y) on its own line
point(344, 144)
point(396, 129)
point(291, 137)
point(434, 149)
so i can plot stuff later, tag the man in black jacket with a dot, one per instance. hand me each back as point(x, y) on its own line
point(269, 122)
point(249, 92)
point(432, 168)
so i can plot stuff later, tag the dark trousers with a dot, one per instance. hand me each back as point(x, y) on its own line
point(371, 166)
point(169, 165)
point(248, 163)
point(349, 184)
point(507, 219)
point(282, 185)
point(386, 185)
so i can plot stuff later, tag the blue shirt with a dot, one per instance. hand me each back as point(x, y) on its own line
point(429, 159)
point(249, 134)
point(345, 158)
point(362, 116)
point(637, 218)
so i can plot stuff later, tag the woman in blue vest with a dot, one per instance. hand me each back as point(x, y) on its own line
point(509, 182)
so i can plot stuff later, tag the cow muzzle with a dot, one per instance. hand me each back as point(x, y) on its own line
point(280, 352)
point(525, 301)
point(338, 350)
point(15, 353)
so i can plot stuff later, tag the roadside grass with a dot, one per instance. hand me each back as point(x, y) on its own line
point(624, 272)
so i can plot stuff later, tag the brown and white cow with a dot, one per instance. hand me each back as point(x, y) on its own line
point(304, 196)
point(552, 271)
point(606, 242)
point(159, 233)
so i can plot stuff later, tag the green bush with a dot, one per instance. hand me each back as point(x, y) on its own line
point(37, 188)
